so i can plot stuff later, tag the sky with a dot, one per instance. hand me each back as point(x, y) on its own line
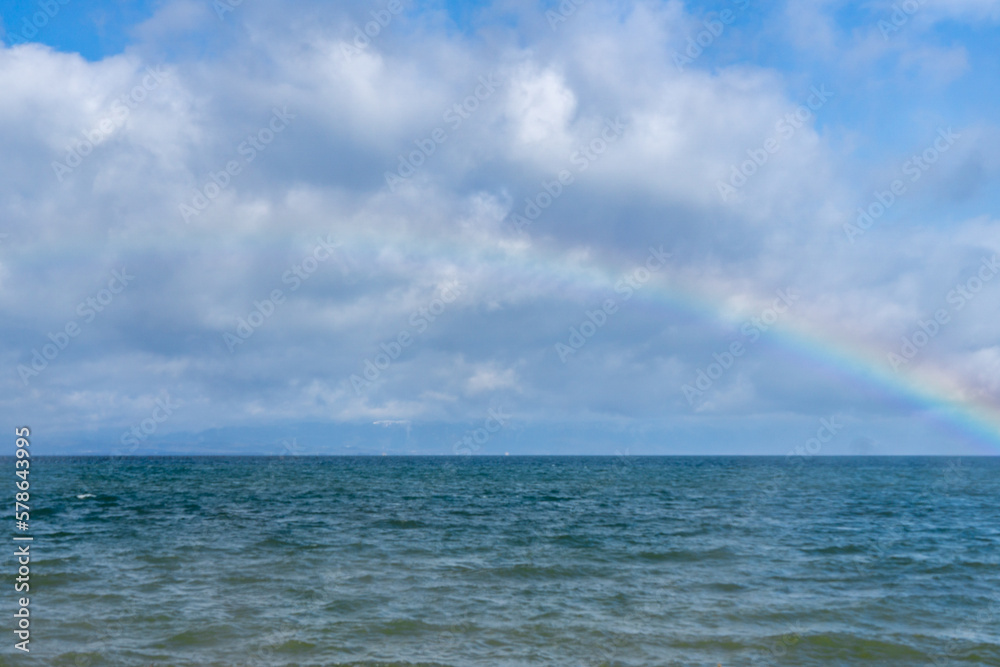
point(513, 227)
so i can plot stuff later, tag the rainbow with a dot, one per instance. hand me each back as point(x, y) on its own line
point(938, 397)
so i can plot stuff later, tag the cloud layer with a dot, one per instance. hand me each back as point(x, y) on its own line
point(277, 221)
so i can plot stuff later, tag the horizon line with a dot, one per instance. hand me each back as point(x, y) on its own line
point(505, 456)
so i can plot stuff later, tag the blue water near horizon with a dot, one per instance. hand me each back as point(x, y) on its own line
point(514, 560)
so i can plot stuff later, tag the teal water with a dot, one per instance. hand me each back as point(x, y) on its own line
point(513, 561)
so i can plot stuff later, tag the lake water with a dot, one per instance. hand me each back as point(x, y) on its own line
point(513, 561)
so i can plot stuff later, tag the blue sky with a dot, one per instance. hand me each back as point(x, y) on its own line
point(496, 227)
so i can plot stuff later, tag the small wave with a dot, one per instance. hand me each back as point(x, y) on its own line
point(405, 626)
point(400, 523)
point(836, 550)
point(295, 646)
point(533, 571)
point(684, 555)
point(857, 649)
point(84, 496)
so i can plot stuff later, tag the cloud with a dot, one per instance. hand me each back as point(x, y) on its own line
point(644, 146)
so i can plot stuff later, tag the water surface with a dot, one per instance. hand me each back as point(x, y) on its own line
point(514, 561)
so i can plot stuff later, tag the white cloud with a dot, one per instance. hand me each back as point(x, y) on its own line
point(325, 175)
